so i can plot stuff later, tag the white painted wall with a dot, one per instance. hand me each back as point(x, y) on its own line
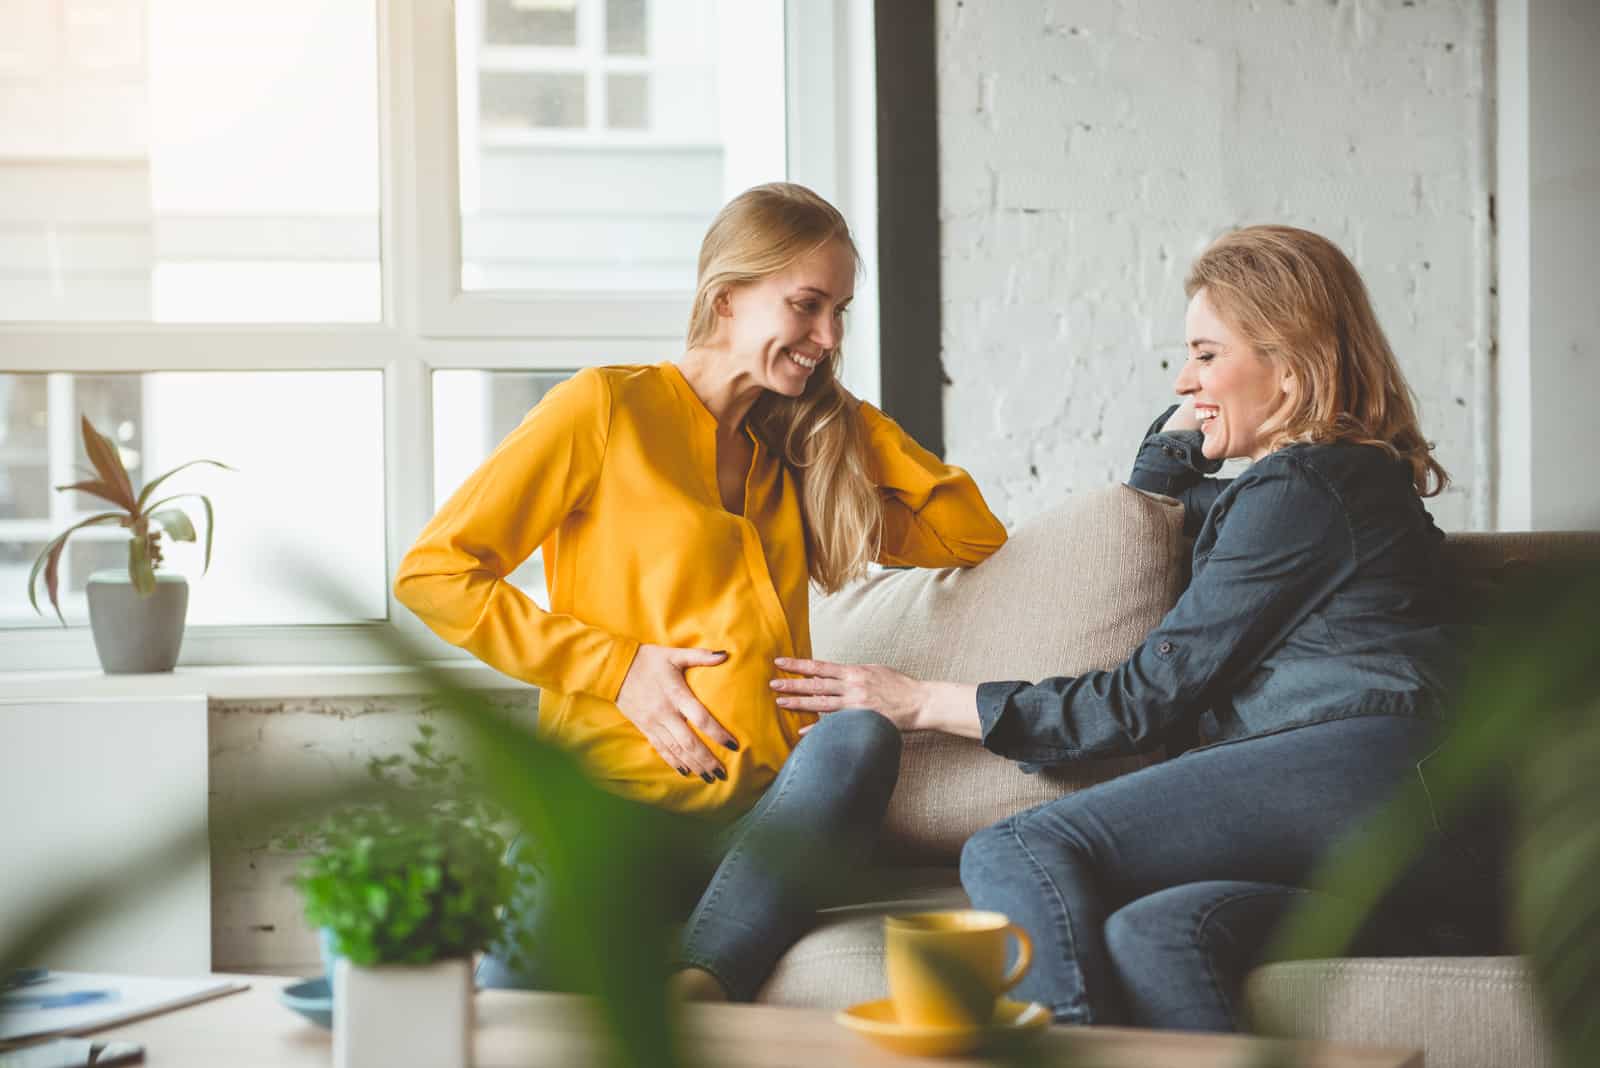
point(1090, 149)
point(1549, 226)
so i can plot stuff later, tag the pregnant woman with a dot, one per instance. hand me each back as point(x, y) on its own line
point(683, 509)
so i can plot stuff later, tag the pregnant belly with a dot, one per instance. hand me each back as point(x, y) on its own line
point(619, 757)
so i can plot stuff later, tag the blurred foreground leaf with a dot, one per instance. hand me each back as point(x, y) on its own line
point(1526, 735)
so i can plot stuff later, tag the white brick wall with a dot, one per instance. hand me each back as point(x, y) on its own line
point(1089, 149)
point(259, 750)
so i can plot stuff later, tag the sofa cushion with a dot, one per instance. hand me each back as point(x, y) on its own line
point(1073, 590)
point(1465, 1012)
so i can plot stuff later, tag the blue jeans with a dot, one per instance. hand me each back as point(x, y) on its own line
point(1151, 896)
point(774, 866)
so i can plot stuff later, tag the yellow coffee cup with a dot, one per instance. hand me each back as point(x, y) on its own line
point(947, 969)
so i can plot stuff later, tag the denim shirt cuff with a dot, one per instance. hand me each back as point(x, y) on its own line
point(1000, 730)
point(1169, 462)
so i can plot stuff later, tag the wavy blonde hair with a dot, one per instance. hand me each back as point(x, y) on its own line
point(1295, 298)
point(759, 233)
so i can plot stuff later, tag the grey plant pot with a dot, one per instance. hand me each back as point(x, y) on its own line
point(133, 634)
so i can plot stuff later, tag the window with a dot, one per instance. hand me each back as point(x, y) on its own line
point(597, 138)
point(344, 248)
point(186, 161)
point(307, 447)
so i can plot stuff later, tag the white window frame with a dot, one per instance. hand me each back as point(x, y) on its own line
point(428, 324)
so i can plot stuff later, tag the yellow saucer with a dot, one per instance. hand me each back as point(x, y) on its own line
point(877, 1021)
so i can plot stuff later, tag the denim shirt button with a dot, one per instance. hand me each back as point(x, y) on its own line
point(1164, 648)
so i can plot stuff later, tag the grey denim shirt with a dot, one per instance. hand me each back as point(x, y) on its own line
point(1319, 592)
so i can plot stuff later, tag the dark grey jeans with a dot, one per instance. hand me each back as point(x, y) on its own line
point(775, 865)
point(1150, 897)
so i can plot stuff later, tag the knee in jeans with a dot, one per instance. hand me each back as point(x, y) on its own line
point(1128, 932)
point(989, 855)
point(859, 735)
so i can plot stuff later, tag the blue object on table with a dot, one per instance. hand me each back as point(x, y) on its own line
point(311, 998)
point(67, 1000)
point(24, 977)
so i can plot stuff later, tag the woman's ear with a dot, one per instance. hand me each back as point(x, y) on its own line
point(722, 304)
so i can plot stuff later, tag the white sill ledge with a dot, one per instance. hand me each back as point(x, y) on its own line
point(249, 683)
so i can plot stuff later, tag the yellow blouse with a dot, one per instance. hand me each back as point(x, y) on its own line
point(614, 473)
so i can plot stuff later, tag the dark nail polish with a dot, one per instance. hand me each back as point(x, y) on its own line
point(722, 775)
point(731, 744)
point(709, 780)
point(684, 772)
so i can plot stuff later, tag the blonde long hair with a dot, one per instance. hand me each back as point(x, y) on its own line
point(1294, 297)
point(759, 233)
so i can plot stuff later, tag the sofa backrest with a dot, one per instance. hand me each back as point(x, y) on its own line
point(1073, 590)
point(1487, 563)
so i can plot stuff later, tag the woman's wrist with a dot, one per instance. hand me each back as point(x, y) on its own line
point(948, 707)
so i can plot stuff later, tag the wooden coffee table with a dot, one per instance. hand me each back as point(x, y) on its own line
point(517, 1030)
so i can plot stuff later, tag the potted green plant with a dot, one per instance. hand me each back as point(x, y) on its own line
point(137, 617)
point(405, 889)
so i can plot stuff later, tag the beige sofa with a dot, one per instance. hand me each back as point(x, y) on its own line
point(1074, 590)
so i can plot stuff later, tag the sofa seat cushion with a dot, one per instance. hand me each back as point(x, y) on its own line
point(1073, 590)
point(840, 961)
point(1465, 1012)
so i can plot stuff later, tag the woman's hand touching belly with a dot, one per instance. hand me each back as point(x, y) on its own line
point(639, 758)
point(657, 700)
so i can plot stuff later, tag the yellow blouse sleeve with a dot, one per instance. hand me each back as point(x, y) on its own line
point(454, 577)
point(933, 514)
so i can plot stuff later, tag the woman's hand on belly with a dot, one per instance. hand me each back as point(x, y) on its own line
point(656, 699)
point(829, 687)
point(908, 703)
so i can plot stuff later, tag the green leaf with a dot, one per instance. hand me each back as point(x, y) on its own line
point(377, 901)
point(140, 570)
point(150, 487)
point(102, 453)
point(50, 560)
point(175, 522)
point(211, 521)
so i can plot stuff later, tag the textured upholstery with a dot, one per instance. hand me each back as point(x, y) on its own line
point(1073, 590)
point(1465, 1012)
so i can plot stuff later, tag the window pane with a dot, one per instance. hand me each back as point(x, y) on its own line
point(189, 161)
point(472, 412)
point(564, 193)
point(305, 501)
point(24, 455)
point(626, 28)
point(628, 101)
point(532, 101)
point(547, 23)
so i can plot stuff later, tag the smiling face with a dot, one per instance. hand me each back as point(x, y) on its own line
point(777, 330)
point(1233, 387)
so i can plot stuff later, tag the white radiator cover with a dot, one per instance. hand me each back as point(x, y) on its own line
point(88, 785)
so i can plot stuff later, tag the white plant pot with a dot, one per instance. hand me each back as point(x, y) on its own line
point(402, 1014)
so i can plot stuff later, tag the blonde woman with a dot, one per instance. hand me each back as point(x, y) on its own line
point(1308, 661)
point(683, 509)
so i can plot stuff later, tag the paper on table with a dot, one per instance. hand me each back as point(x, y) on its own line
point(131, 996)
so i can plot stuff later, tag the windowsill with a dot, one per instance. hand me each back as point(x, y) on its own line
point(239, 683)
